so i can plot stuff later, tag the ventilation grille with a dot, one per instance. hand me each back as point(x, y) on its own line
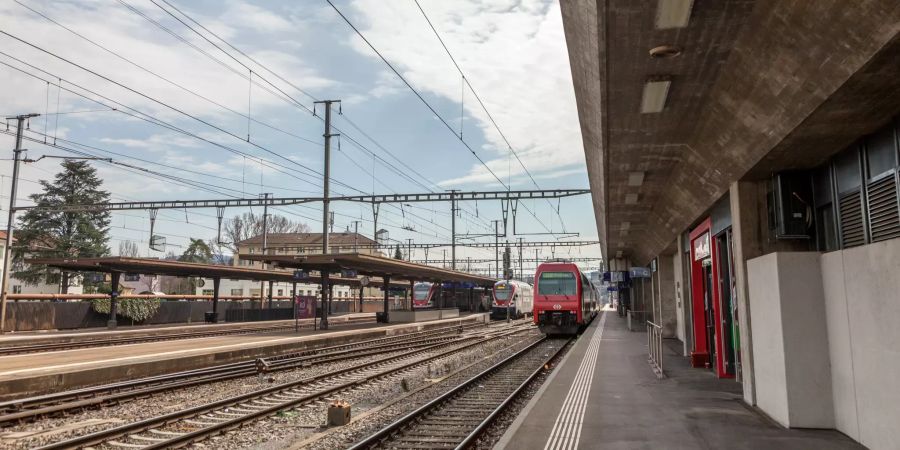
point(852, 232)
point(884, 214)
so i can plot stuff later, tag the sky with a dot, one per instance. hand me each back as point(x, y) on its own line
point(227, 111)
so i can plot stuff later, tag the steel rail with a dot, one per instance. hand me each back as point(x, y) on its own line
point(16, 411)
point(397, 427)
point(105, 436)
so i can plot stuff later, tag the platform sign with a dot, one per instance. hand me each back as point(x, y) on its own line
point(349, 273)
point(639, 272)
point(306, 306)
point(301, 275)
point(701, 247)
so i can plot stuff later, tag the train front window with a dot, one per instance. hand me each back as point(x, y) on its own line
point(421, 292)
point(501, 292)
point(557, 283)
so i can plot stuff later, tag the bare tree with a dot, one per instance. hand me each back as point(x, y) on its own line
point(248, 225)
point(129, 249)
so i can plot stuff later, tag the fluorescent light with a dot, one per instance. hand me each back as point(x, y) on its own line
point(673, 13)
point(655, 94)
point(631, 199)
point(635, 178)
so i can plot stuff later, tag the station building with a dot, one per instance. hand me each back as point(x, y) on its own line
point(747, 151)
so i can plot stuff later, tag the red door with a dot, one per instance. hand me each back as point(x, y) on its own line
point(707, 314)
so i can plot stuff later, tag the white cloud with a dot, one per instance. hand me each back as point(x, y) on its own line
point(513, 53)
point(126, 33)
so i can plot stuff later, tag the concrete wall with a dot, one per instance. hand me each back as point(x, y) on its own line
point(862, 301)
point(790, 339)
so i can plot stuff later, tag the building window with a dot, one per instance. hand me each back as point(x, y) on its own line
point(856, 195)
point(17, 289)
point(280, 292)
point(254, 292)
point(207, 292)
point(238, 292)
point(881, 155)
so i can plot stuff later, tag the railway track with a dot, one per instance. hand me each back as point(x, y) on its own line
point(457, 418)
point(87, 343)
point(194, 424)
point(28, 409)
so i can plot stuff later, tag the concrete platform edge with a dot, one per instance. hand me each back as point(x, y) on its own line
point(54, 382)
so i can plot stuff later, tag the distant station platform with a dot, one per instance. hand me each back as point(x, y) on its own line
point(162, 330)
point(37, 373)
point(603, 394)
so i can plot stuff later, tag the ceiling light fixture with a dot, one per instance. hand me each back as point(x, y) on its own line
point(654, 97)
point(635, 178)
point(673, 13)
point(665, 51)
point(631, 199)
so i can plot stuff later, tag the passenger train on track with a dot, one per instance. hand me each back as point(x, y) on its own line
point(564, 299)
point(424, 294)
point(513, 298)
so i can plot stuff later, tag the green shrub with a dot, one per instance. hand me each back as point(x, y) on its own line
point(136, 309)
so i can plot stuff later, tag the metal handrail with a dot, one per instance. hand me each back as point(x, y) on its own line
point(655, 348)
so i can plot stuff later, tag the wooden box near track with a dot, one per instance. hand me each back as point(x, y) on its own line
point(338, 414)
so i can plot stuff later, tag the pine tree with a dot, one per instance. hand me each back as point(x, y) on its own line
point(57, 234)
point(397, 253)
point(197, 252)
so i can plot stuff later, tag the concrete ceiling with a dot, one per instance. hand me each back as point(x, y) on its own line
point(755, 81)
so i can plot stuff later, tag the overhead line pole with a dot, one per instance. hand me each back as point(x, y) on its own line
point(326, 291)
point(7, 253)
point(265, 230)
point(453, 228)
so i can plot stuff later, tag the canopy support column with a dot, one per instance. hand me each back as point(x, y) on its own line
point(387, 293)
point(216, 283)
point(271, 283)
point(294, 303)
point(325, 289)
point(113, 300)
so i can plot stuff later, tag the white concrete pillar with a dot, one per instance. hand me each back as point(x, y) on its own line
point(746, 226)
point(665, 294)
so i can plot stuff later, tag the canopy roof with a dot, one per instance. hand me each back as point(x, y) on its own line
point(152, 266)
point(370, 265)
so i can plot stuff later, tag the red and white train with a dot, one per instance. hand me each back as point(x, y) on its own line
point(513, 298)
point(564, 299)
point(423, 295)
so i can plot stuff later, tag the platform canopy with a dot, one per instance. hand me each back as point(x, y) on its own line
point(152, 266)
point(370, 265)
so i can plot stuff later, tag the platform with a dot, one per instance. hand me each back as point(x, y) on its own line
point(38, 373)
point(423, 315)
point(60, 336)
point(603, 394)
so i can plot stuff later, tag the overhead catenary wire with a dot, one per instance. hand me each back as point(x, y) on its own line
point(151, 120)
point(466, 81)
point(281, 78)
point(430, 107)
